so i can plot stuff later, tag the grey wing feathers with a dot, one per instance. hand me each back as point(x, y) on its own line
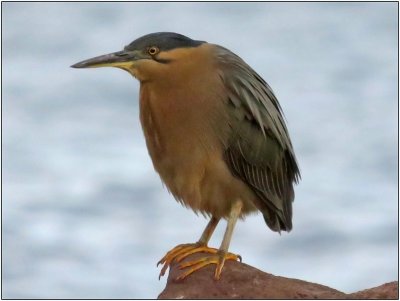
point(259, 151)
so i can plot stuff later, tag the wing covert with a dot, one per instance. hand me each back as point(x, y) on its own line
point(259, 151)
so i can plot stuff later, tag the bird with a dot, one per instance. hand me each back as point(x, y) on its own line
point(216, 135)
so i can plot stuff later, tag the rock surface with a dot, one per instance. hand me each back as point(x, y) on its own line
point(241, 281)
point(386, 291)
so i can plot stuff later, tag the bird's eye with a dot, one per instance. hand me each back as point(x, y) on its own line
point(153, 50)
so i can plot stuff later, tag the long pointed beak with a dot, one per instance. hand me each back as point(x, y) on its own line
point(115, 59)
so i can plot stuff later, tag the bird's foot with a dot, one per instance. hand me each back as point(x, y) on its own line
point(217, 258)
point(182, 251)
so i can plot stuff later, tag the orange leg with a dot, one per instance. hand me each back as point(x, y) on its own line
point(218, 259)
point(222, 254)
point(215, 256)
point(181, 251)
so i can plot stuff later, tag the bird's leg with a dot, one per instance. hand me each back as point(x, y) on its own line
point(222, 254)
point(208, 231)
point(181, 251)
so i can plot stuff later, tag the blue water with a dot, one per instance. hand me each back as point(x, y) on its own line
point(86, 216)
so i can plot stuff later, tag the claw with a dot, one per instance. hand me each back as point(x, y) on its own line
point(195, 250)
point(170, 253)
point(217, 258)
point(192, 269)
point(180, 252)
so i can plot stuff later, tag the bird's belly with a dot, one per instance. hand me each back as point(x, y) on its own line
point(199, 178)
point(188, 156)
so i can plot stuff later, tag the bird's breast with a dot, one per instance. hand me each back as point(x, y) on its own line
point(176, 131)
point(184, 140)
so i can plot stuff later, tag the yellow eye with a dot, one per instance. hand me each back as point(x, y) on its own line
point(153, 50)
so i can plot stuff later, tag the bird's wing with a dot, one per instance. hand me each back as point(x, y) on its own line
point(259, 151)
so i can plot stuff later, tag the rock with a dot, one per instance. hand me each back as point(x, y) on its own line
point(241, 281)
point(386, 291)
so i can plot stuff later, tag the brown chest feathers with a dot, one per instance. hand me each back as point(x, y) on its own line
point(187, 152)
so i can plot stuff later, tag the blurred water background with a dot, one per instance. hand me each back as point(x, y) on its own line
point(85, 215)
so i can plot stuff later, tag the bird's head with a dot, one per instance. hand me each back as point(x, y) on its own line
point(146, 55)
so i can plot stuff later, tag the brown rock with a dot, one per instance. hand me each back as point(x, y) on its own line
point(385, 291)
point(241, 281)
